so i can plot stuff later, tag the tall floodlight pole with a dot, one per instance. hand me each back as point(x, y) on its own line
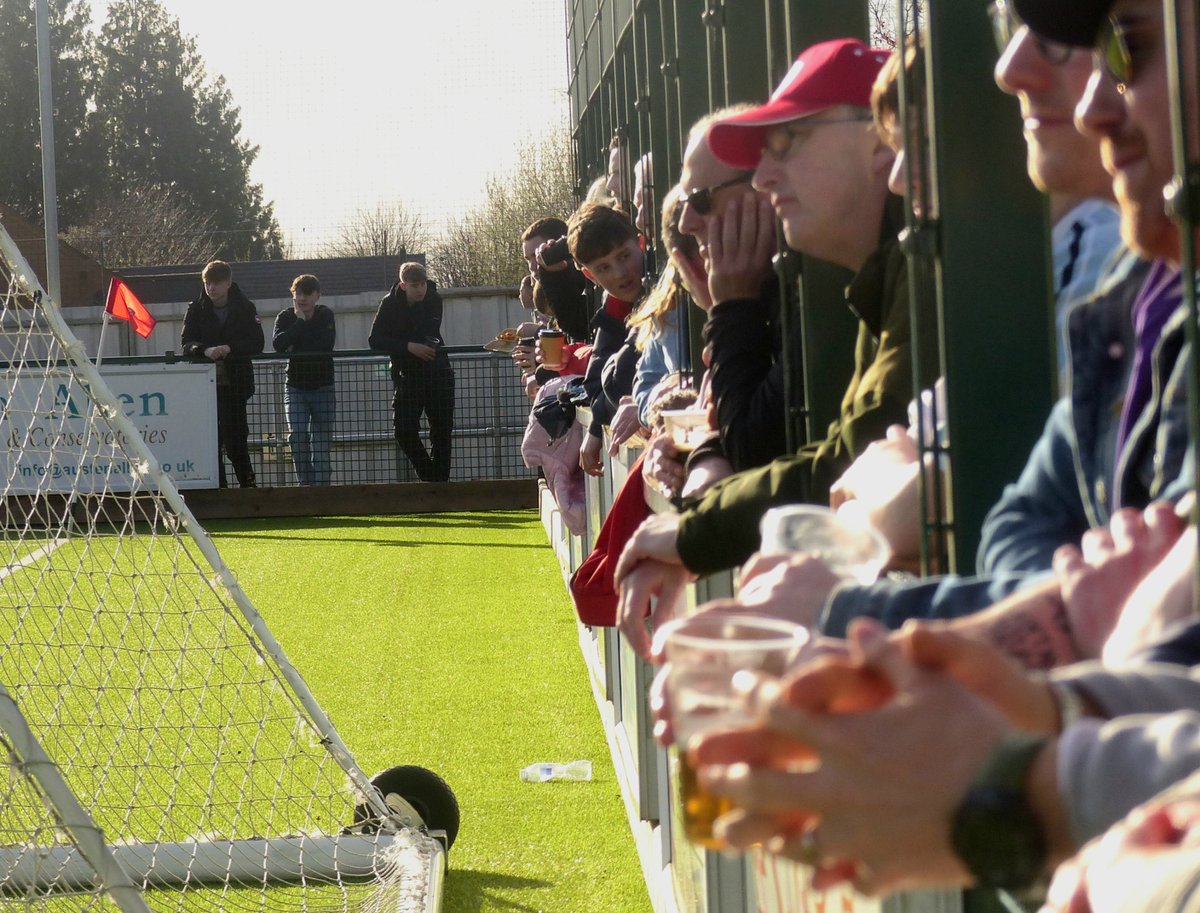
point(49, 186)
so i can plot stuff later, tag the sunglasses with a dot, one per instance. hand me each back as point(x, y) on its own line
point(1112, 52)
point(1005, 25)
point(780, 143)
point(701, 200)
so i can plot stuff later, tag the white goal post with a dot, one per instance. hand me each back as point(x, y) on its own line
point(154, 686)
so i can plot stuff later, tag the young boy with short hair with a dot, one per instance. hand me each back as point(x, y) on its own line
point(223, 326)
point(605, 244)
point(307, 328)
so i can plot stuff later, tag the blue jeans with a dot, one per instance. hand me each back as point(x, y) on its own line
point(310, 415)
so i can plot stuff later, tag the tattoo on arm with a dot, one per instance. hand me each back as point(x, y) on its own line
point(1039, 637)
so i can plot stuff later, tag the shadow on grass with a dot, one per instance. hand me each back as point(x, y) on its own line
point(394, 543)
point(466, 891)
point(500, 519)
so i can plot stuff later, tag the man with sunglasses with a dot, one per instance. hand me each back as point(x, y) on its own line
point(814, 149)
point(742, 332)
point(741, 335)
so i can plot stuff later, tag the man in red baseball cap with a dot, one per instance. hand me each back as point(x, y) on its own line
point(816, 151)
point(814, 148)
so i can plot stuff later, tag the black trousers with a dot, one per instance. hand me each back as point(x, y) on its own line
point(232, 432)
point(433, 395)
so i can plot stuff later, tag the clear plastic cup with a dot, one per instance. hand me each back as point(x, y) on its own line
point(704, 653)
point(688, 427)
point(852, 551)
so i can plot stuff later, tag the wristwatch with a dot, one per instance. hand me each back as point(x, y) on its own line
point(994, 831)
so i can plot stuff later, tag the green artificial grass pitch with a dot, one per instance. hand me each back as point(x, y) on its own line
point(448, 641)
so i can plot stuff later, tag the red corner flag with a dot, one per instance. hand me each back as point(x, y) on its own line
point(124, 305)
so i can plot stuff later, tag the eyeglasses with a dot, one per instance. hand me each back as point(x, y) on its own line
point(781, 141)
point(1112, 52)
point(1005, 25)
point(701, 200)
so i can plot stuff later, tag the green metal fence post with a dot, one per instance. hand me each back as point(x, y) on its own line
point(995, 298)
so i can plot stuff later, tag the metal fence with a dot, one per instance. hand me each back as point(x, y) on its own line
point(490, 414)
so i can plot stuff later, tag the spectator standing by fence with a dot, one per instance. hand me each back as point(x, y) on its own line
point(408, 326)
point(222, 326)
point(307, 328)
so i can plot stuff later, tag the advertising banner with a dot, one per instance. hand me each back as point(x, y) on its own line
point(50, 444)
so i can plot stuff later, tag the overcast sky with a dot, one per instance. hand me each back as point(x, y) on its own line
point(354, 103)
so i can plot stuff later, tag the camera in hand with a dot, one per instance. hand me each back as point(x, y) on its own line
point(556, 253)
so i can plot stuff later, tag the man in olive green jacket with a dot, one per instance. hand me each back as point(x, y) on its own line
point(815, 150)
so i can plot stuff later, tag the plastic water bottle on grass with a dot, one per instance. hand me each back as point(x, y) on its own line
point(546, 770)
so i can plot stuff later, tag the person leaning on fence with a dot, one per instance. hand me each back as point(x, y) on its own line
point(408, 326)
point(1048, 79)
point(309, 399)
point(223, 327)
point(607, 247)
point(742, 332)
point(563, 286)
point(817, 153)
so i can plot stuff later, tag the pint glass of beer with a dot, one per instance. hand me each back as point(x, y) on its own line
point(703, 654)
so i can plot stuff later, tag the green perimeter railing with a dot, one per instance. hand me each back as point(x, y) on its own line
point(644, 71)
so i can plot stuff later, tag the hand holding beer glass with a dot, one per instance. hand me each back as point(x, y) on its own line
point(704, 653)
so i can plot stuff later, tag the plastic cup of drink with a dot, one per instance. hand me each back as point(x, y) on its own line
point(703, 654)
point(687, 427)
point(852, 551)
point(552, 342)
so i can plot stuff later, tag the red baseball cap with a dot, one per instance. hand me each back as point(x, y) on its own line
point(839, 72)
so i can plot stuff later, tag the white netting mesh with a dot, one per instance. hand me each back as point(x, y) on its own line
point(143, 671)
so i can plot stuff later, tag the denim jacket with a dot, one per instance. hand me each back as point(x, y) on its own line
point(1072, 480)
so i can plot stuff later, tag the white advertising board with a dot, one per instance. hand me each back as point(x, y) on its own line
point(44, 427)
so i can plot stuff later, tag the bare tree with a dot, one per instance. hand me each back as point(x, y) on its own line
point(386, 230)
point(145, 225)
point(881, 19)
point(481, 247)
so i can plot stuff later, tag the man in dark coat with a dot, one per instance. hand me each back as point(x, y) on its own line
point(408, 326)
point(223, 327)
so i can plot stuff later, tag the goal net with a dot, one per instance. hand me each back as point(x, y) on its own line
point(156, 689)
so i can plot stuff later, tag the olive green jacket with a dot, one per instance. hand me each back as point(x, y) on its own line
point(720, 529)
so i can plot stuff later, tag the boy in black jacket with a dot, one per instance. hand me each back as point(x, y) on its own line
point(222, 326)
point(408, 326)
point(605, 244)
point(308, 329)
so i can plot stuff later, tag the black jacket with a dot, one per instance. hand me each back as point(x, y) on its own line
point(242, 332)
point(567, 292)
point(309, 371)
point(610, 334)
point(618, 374)
point(747, 376)
point(397, 323)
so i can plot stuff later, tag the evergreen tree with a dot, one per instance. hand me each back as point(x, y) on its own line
point(76, 151)
point(162, 121)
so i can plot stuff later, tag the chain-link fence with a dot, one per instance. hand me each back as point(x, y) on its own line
point(487, 421)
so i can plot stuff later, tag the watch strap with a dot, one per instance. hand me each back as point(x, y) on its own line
point(994, 830)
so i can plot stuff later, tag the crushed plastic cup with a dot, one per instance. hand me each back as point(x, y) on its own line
point(852, 551)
